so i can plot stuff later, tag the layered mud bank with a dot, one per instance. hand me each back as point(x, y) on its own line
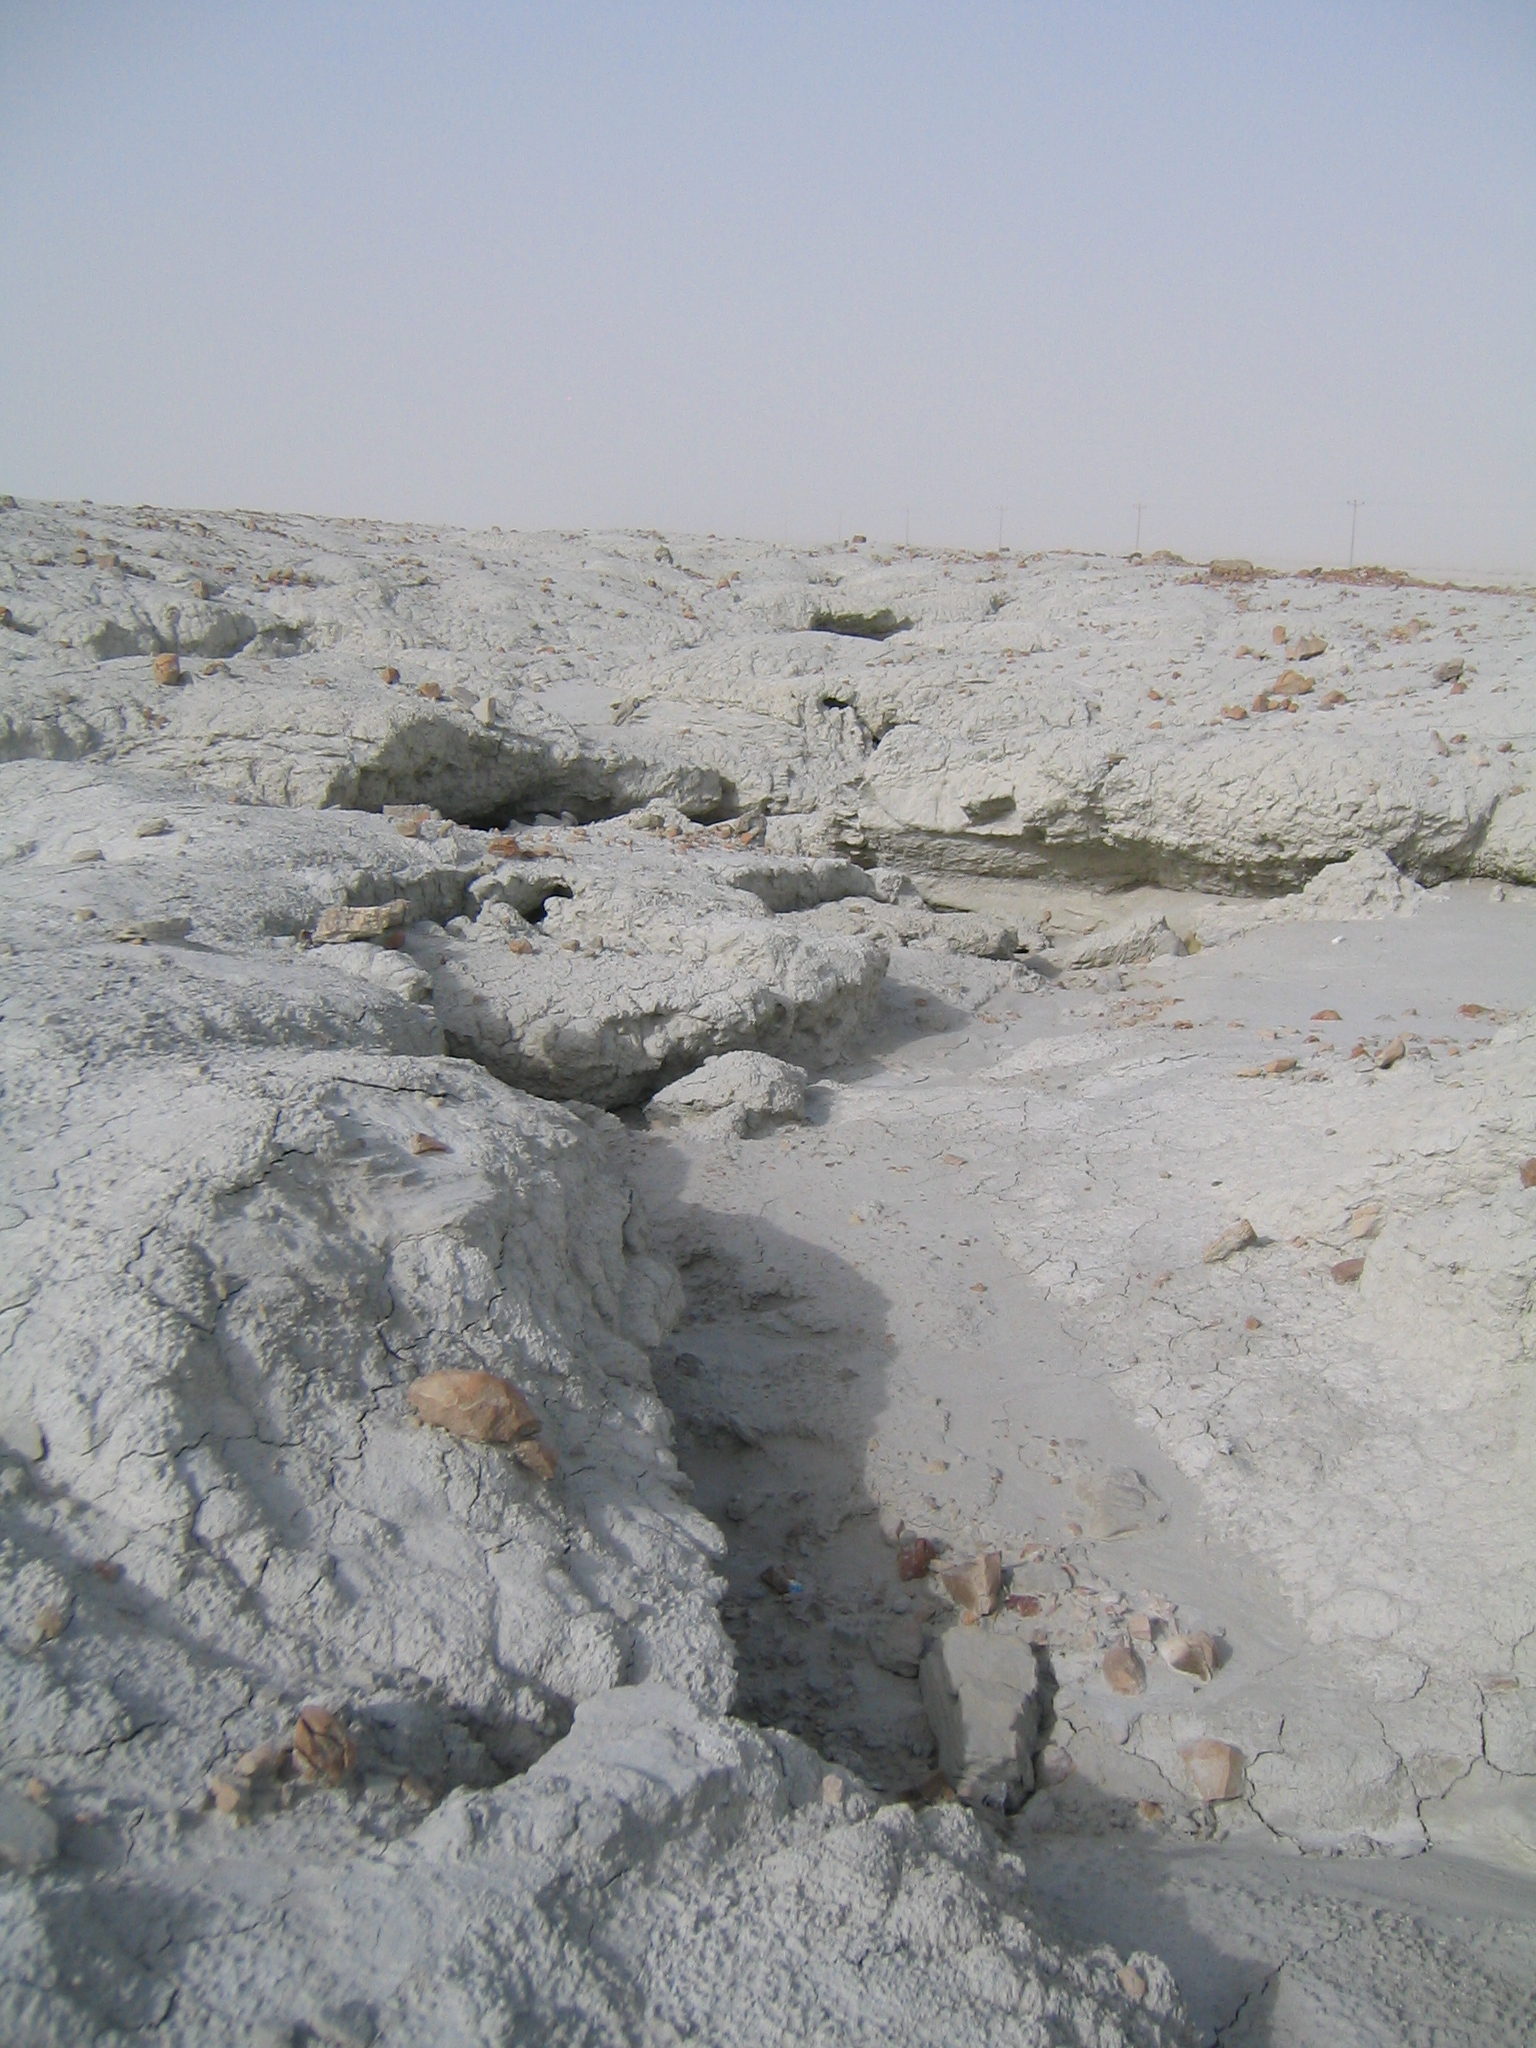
point(959, 1331)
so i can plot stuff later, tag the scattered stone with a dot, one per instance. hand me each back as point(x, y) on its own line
point(323, 1746)
point(1150, 1809)
point(1196, 1654)
point(145, 931)
point(536, 1457)
point(431, 691)
point(1294, 684)
point(1124, 1671)
point(1235, 1238)
point(1216, 1769)
point(479, 1405)
point(1140, 1628)
point(1026, 1604)
point(1234, 711)
point(422, 1142)
point(1132, 1982)
point(1333, 698)
point(1309, 647)
point(1231, 569)
point(1438, 746)
point(1474, 1010)
point(977, 1587)
point(1366, 1221)
point(1528, 1173)
point(29, 1838)
point(389, 674)
point(981, 1692)
point(1391, 1054)
point(50, 1624)
point(1285, 1064)
point(151, 828)
point(1348, 1270)
point(266, 1760)
point(167, 668)
point(914, 1554)
point(229, 1797)
point(1252, 1323)
point(832, 1789)
point(1450, 671)
point(1326, 1017)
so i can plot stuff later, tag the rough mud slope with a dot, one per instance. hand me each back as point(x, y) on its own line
point(321, 1724)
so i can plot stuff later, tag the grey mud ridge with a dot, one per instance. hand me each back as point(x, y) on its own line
point(720, 1332)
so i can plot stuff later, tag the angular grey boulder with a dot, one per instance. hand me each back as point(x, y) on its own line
point(981, 1691)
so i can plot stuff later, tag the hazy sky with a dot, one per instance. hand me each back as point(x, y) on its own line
point(768, 269)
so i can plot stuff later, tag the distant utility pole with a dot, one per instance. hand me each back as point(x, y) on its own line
point(1354, 505)
point(1140, 508)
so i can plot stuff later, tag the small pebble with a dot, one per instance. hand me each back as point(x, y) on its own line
point(1235, 1238)
point(1348, 1270)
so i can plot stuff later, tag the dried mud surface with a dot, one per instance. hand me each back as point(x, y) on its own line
point(828, 1077)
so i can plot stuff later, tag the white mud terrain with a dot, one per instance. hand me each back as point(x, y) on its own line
point(754, 1296)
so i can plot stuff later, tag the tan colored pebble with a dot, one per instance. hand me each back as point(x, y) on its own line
point(1235, 1238)
point(479, 1405)
point(167, 668)
point(1528, 1173)
point(389, 674)
point(1333, 697)
point(36, 1790)
point(1326, 1017)
point(422, 1142)
point(1234, 711)
point(1140, 1627)
point(1216, 1769)
point(1309, 647)
point(229, 1798)
point(1348, 1270)
point(1196, 1654)
point(977, 1587)
point(1150, 1809)
point(322, 1745)
point(344, 924)
point(1124, 1671)
point(431, 691)
point(519, 946)
point(1366, 1221)
point(1391, 1054)
point(1284, 1065)
point(536, 1457)
point(1294, 684)
point(1132, 1982)
point(832, 1789)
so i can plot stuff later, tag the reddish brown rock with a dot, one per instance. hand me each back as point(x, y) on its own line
point(167, 668)
point(479, 1405)
point(1528, 1173)
point(914, 1554)
point(1348, 1270)
point(1326, 1017)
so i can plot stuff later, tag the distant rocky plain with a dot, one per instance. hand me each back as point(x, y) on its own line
point(756, 1294)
